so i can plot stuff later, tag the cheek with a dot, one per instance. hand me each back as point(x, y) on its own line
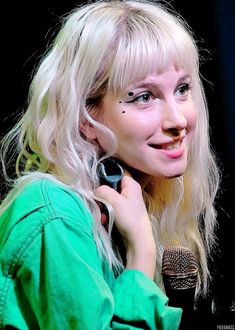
point(121, 130)
point(191, 116)
point(123, 126)
point(134, 131)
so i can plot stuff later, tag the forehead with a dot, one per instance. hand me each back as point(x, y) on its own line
point(146, 53)
point(171, 75)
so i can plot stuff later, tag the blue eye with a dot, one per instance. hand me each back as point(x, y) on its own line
point(142, 98)
point(183, 89)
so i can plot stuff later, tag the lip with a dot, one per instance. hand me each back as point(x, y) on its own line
point(171, 141)
point(173, 153)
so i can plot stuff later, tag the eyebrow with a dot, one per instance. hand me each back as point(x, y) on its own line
point(155, 85)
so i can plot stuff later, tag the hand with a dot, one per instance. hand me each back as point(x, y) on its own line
point(132, 221)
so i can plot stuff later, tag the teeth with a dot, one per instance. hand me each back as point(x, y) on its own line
point(172, 146)
point(166, 147)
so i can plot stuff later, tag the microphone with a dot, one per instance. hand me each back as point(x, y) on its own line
point(180, 272)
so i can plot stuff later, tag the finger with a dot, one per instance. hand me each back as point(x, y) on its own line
point(130, 187)
point(107, 193)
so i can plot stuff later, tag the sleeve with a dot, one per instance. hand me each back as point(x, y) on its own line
point(141, 304)
point(63, 283)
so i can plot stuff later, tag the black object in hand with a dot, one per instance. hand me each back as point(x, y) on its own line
point(110, 173)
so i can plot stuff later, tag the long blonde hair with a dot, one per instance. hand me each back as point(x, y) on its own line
point(105, 46)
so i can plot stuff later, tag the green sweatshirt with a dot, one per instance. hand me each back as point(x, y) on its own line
point(52, 277)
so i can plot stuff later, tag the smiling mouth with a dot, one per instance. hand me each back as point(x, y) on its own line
point(169, 146)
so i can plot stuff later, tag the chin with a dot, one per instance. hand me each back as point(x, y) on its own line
point(175, 171)
point(174, 174)
point(167, 175)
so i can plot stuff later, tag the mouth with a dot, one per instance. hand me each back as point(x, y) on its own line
point(167, 146)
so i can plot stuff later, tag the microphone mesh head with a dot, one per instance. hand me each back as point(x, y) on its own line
point(179, 268)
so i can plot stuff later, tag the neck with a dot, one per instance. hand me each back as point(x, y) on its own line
point(142, 178)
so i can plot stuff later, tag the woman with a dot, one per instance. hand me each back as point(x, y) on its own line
point(121, 79)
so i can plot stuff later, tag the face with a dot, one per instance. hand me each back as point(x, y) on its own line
point(154, 122)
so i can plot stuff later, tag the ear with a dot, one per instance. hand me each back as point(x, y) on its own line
point(88, 130)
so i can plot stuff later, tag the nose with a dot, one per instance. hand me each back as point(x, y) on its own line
point(173, 120)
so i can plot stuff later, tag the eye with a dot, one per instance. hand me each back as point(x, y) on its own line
point(142, 98)
point(182, 90)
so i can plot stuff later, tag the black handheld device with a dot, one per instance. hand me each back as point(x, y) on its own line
point(110, 173)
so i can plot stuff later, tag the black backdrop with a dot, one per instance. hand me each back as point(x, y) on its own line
point(24, 36)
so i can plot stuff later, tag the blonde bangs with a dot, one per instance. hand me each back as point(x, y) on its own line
point(150, 47)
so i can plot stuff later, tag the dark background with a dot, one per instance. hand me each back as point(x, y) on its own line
point(27, 30)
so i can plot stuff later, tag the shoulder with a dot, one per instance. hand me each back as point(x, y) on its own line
point(38, 203)
point(56, 198)
point(41, 208)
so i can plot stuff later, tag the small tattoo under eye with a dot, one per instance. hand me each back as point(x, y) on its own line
point(130, 93)
point(120, 101)
point(123, 111)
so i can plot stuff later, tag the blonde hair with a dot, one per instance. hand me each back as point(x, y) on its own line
point(103, 46)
